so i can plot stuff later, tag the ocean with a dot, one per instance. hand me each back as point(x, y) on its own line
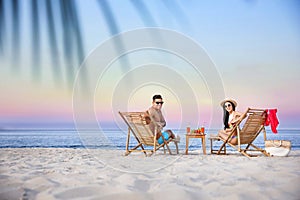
point(111, 138)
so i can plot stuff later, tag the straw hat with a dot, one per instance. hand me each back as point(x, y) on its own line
point(226, 100)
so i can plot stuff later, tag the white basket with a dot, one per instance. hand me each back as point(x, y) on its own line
point(278, 147)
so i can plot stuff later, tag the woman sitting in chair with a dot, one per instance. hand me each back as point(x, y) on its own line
point(230, 117)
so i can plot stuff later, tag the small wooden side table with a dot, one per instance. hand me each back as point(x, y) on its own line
point(188, 136)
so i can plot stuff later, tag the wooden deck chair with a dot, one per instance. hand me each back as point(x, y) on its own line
point(137, 125)
point(254, 125)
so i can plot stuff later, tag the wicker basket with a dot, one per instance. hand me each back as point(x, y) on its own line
point(278, 147)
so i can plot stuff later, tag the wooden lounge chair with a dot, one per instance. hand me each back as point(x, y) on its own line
point(253, 126)
point(137, 125)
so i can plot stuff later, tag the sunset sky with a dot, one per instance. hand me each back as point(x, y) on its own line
point(251, 46)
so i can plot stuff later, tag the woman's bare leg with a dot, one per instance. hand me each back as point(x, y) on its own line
point(223, 134)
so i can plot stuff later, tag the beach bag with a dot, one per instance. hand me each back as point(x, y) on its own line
point(278, 147)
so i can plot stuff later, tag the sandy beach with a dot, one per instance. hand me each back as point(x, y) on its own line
point(53, 173)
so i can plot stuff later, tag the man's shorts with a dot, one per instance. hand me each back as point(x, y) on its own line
point(165, 135)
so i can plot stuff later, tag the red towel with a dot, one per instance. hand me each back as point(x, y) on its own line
point(272, 120)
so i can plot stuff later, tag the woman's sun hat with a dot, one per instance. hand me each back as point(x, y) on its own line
point(228, 100)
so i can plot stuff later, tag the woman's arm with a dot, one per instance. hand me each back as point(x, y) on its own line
point(238, 116)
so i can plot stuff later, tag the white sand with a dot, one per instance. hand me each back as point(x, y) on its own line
point(107, 174)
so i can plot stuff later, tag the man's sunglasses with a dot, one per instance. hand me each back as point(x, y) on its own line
point(159, 102)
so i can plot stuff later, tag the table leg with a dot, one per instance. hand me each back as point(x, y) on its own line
point(186, 145)
point(211, 147)
point(203, 145)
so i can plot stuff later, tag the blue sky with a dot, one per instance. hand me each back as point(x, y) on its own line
point(253, 44)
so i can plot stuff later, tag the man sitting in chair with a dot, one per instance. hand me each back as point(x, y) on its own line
point(156, 115)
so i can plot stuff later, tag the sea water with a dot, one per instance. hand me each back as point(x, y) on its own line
point(112, 138)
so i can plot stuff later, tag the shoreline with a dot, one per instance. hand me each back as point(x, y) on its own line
point(67, 173)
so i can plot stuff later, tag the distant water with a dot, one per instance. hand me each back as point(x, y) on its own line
point(112, 138)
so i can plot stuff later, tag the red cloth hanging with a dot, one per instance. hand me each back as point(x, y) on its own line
point(272, 120)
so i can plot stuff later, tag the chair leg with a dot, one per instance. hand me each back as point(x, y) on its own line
point(168, 148)
point(261, 150)
point(223, 146)
point(244, 153)
point(211, 147)
point(134, 148)
point(143, 149)
point(176, 147)
point(215, 151)
point(127, 152)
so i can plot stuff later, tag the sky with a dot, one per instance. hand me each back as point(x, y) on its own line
point(200, 52)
